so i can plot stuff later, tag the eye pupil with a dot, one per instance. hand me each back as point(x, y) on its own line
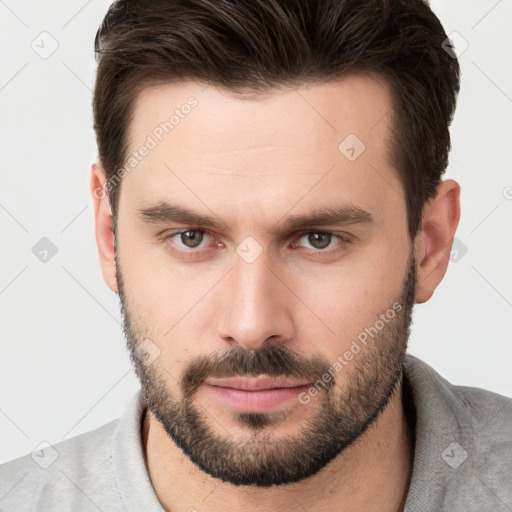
point(315, 239)
point(195, 237)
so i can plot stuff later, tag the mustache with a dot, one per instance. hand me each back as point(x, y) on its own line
point(274, 361)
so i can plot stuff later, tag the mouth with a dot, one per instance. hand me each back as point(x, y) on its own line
point(259, 394)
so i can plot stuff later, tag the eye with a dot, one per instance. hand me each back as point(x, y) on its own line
point(190, 239)
point(193, 242)
point(322, 240)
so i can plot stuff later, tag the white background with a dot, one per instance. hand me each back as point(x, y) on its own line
point(64, 368)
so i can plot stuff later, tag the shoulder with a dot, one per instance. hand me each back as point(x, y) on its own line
point(486, 427)
point(463, 458)
point(474, 410)
point(73, 474)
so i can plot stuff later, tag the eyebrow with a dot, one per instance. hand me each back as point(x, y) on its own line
point(347, 214)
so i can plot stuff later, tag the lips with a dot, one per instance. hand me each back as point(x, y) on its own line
point(256, 383)
point(255, 394)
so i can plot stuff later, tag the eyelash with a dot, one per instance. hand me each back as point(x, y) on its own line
point(345, 239)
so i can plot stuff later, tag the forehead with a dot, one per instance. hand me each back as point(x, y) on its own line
point(359, 104)
point(326, 141)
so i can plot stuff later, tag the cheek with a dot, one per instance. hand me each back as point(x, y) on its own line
point(350, 298)
point(158, 291)
point(169, 309)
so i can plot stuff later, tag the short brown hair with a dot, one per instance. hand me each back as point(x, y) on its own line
point(252, 46)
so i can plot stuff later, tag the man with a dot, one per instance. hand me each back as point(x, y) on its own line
point(269, 207)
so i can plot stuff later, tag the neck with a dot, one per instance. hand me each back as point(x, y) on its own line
point(372, 474)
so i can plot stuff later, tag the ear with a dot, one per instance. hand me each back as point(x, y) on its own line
point(433, 244)
point(103, 220)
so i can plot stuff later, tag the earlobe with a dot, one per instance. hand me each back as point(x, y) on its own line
point(103, 226)
point(434, 241)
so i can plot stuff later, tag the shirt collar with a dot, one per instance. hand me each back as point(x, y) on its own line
point(129, 462)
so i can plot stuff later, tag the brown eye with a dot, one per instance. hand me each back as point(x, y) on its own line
point(191, 239)
point(323, 243)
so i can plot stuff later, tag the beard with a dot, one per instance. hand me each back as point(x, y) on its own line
point(343, 412)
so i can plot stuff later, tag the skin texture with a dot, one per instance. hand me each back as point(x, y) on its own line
point(208, 312)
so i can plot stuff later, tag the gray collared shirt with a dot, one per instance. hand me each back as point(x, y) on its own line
point(462, 459)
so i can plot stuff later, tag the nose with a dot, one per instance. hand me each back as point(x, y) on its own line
point(256, 305)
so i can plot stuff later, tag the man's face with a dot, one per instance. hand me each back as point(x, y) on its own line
point(327, 301)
